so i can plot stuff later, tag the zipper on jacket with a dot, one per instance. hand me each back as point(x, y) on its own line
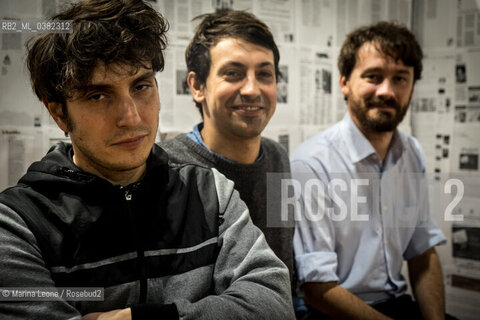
point(141, 269)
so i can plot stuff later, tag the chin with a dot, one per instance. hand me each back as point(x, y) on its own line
point(128, 165)
point(250, 133)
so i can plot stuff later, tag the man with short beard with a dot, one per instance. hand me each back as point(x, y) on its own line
point(364, 206)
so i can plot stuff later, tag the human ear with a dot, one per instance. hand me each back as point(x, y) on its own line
point(344, 85)
point(196, 88)
point(56, 111)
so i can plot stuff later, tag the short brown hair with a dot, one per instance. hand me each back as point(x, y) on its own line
point(109, 31)
point(225, 24)
point(392, 38)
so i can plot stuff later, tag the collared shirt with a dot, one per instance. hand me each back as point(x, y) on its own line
point(358, 218)
point(197, 137)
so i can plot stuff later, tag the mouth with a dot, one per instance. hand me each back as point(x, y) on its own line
point(131, 142)
point(384, 106)
point(249, 110)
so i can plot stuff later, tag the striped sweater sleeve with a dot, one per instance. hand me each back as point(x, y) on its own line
point(249, 280)
point(22, 266)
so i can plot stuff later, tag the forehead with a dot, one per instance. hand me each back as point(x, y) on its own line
point(115, 72)
point(234, 49)
point(370, 55)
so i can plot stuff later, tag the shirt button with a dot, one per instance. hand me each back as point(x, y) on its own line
point(385, 208)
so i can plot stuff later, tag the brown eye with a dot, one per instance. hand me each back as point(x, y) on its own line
point(142, 87)
point(233, 75)
point(265, 74)
point(400, 79)
point(96, 97)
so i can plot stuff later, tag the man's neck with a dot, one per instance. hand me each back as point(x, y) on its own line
point(380, 142)
point(120, 177)
point(127, 177)
point(241, 150)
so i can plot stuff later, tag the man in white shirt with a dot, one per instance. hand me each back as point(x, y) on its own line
point(373, 213)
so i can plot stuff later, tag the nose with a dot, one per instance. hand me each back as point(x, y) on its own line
point(250, 87)
point(385, 89)
point(128, 115)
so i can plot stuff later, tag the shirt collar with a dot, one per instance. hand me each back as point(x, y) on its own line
point(357, 145)
point(360, 148)
point(397, 145)
point(196, 136)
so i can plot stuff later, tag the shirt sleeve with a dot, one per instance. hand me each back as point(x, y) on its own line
point(427, 234)
point(22, 266)
point(249, 280)
point(314, 239)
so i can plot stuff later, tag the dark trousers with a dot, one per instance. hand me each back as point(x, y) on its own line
point(399, 308)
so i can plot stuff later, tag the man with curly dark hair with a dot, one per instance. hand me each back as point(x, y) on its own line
point(108, 211)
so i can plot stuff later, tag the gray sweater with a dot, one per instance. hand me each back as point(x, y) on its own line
point(251, 182)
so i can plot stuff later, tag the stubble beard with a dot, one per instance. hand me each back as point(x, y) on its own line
point(385, 121)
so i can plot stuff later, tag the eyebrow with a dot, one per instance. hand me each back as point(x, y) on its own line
point(400, 71)
point(144, 76)
point(239, 64)
point(265, 64)
point(101, 86)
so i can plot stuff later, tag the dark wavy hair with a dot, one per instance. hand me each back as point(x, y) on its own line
point(109, 31)
point(225, 24)
point(393, 39)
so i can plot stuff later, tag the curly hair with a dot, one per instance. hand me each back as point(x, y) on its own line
point(225, 24)
point(109, 31)
point(393, 39)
